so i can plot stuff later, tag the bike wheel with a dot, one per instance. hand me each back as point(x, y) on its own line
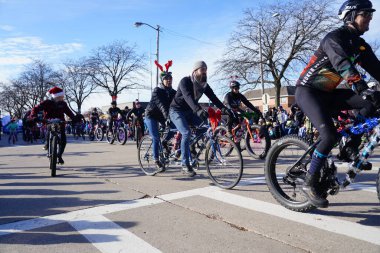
point(258, 146)
point(224, 171)
point(53, 156)
point(138, 136)
point(99, 136)
point(145, 156)
point(110, 136)
point(222, 131)
point(284, 177)
point(121, 136)
point(378, 185)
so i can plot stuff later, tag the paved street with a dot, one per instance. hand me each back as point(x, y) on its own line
point(102, 202)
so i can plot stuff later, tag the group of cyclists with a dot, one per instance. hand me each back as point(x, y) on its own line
point(335, 60)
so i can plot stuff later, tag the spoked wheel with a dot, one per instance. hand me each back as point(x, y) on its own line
point(145, 156)
point(378, 185)
point(53, 156)
point(121, 135)
point(110, 136)
point(138, 135)
point(99, 136)
point(224, 171)
point(259, 143)
point(222, 131)
point(285, 176)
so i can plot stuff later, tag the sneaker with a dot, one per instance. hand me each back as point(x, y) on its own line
point(159, 166)
point(60, 160)
point(308, 189)
point(188, 170)
point(366, 166)
point(45, 147)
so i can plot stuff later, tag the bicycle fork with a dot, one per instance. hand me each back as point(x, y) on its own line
point(355, 167)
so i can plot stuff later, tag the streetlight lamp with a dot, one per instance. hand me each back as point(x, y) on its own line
point(261, 56)
point(138, 24)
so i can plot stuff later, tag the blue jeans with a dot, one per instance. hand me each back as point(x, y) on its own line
point(153, 127)
point(182, 120)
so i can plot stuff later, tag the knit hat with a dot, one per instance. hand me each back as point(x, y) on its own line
point(55, 92)
point(199, 64)
point(164, 74)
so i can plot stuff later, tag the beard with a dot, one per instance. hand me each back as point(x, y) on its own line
point(202, 78)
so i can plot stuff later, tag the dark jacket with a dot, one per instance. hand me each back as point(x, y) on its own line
point(233, 101)
point(53, 110)
point(138, 112)
point(184, 99)
point(114, 112)
point(336, 58)
point(158, 107)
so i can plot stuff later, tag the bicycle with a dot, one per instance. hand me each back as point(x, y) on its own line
point(225, 171)
point(256, 138)
point(100, 130)
point(116, 133)
point(289, 158)
point(54, 140)
point(138, 134)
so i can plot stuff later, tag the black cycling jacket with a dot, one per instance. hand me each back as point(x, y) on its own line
point(184, 99)
point(336, 58)
point(138, 112)
point(233, 101)
point(158, 107)
point(113, 112)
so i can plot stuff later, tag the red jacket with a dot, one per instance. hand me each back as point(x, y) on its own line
point(53, 110)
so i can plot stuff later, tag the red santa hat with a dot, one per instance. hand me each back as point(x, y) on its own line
point(55, 92)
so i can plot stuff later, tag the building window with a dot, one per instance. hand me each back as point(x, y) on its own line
point(283, 100)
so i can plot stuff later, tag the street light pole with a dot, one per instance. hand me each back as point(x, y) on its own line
point(138, 24)
point(261, 62)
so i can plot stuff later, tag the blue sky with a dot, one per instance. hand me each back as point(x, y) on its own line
point(56, 30)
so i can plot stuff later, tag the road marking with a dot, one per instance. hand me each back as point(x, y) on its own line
point(108, 237)
point(323, 222)
point(25, 225)
point(351, 187)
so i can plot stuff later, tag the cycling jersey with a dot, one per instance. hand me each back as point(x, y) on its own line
point(336, 58)
point(94, 117)
point(234, 100)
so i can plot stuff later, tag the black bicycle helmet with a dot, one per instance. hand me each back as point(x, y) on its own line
point(349, 9)
point(234, 84)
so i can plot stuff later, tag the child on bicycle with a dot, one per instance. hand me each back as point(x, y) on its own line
point(157, 112)
point(54, 108)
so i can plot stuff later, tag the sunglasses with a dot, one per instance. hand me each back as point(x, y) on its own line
point(366, 14)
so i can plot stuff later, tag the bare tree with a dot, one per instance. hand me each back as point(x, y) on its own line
point(77, 83)
point(116, 67)
point(288, 39)
point(6, 100)
point(38, 78)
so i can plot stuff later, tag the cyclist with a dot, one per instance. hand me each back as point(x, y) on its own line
point(113, 113)
point(138, 113)
point(233, 101)
point(185, 109)
point(157, 111)
point(94, 117)
point(54, 108)
point(335, 60)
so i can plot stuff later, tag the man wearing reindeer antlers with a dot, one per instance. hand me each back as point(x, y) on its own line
point(157, 111)
point(185, 109)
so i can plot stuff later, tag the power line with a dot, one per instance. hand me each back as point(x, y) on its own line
point(174, 33)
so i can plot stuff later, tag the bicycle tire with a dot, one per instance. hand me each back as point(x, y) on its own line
point(222, 131)
point(110, 136)
point(145, 156)
point(259, 146)
point(275, 162)
point(53, 156)
point(378, 185)
point(137, 135)
point(99, 135)
point(224, 171)
point(121, 136)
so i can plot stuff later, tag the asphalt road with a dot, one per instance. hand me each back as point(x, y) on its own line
point(102, 202)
